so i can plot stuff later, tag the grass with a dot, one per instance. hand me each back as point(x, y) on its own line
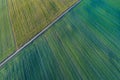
point(83, 45)
point(7, 45)
point(115, 4)
point(29, 17)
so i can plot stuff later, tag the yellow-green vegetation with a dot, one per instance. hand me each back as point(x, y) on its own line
point(29, 17)
point(6, 37)
point(83, 45)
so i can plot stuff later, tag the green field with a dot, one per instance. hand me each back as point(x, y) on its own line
point(20, 20)
point(6, 38)
point(115, 4)
point(29, 17)
point(83, 45)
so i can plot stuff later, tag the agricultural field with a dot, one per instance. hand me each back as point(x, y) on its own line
point(115, 3)
point(7, 45)
point(83, 45)
point(29, 17)
point(20, 20)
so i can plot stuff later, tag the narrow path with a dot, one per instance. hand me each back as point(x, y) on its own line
point(45, 29)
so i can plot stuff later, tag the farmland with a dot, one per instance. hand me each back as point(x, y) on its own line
point(83, 45)
point(6, 38)
point(29, 17)
point(22, 20)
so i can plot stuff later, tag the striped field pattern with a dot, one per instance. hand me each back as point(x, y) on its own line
point(20, 20)
point(6, 36)
point(83, 45)
point(29, 17)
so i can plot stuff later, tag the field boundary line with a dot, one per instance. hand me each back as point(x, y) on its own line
point(40, 33)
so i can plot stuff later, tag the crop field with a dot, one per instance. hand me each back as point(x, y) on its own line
point(6, 37)
point(83, 45)
point(20, 20)
point(29, 17)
